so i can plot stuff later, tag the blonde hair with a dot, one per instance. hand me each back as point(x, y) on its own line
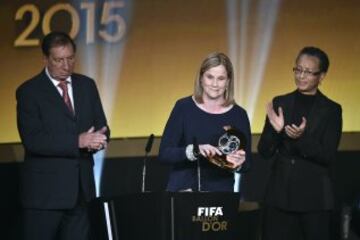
point(213, 60)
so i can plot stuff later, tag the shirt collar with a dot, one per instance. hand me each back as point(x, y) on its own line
point(54, 81)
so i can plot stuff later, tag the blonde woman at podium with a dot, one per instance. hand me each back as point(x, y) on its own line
point(199, 141)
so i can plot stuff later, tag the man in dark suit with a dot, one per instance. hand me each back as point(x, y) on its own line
point(301, 134)
point(61, 124)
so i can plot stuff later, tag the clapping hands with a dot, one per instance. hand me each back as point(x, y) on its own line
point(93, 140)
point(277, 122)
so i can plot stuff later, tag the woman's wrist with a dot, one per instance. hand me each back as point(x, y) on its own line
point(189, 151)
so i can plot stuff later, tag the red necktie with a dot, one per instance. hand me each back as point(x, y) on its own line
point(66, 98)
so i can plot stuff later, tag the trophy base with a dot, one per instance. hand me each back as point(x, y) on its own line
point(221, 162)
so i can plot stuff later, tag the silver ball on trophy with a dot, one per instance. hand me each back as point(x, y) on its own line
point(231, 141)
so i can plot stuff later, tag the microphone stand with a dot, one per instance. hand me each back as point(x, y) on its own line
point(147, 151)
point(144, 172)
point(196, 152)
point(198, 175)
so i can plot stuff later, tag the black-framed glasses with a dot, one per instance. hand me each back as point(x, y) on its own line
point(299, 71)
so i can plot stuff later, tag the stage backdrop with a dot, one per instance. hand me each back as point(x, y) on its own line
point(145, 54)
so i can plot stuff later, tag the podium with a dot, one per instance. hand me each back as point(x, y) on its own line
point(167, 216)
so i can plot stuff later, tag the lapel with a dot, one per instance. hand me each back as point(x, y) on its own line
point(52, 95)
point(315, 117)
point(77, 95)
point(288, 108)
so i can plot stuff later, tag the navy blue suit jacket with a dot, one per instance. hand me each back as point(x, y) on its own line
point(55, 170)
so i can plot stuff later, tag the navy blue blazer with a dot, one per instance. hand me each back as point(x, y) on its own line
point(55, 169)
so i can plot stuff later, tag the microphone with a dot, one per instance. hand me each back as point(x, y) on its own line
point(147, 151)
point(149, 143)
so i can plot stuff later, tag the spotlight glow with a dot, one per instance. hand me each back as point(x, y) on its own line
point(243, 39)
point(103, 62)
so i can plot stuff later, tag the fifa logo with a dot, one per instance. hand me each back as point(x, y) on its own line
point(209, 211)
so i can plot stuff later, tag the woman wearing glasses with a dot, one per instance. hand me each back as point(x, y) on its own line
point(301, 134)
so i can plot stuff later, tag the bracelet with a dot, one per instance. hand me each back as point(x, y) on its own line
point(189, 151)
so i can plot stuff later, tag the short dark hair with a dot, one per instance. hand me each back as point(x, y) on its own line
point(319, 54)
point(55, 39)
